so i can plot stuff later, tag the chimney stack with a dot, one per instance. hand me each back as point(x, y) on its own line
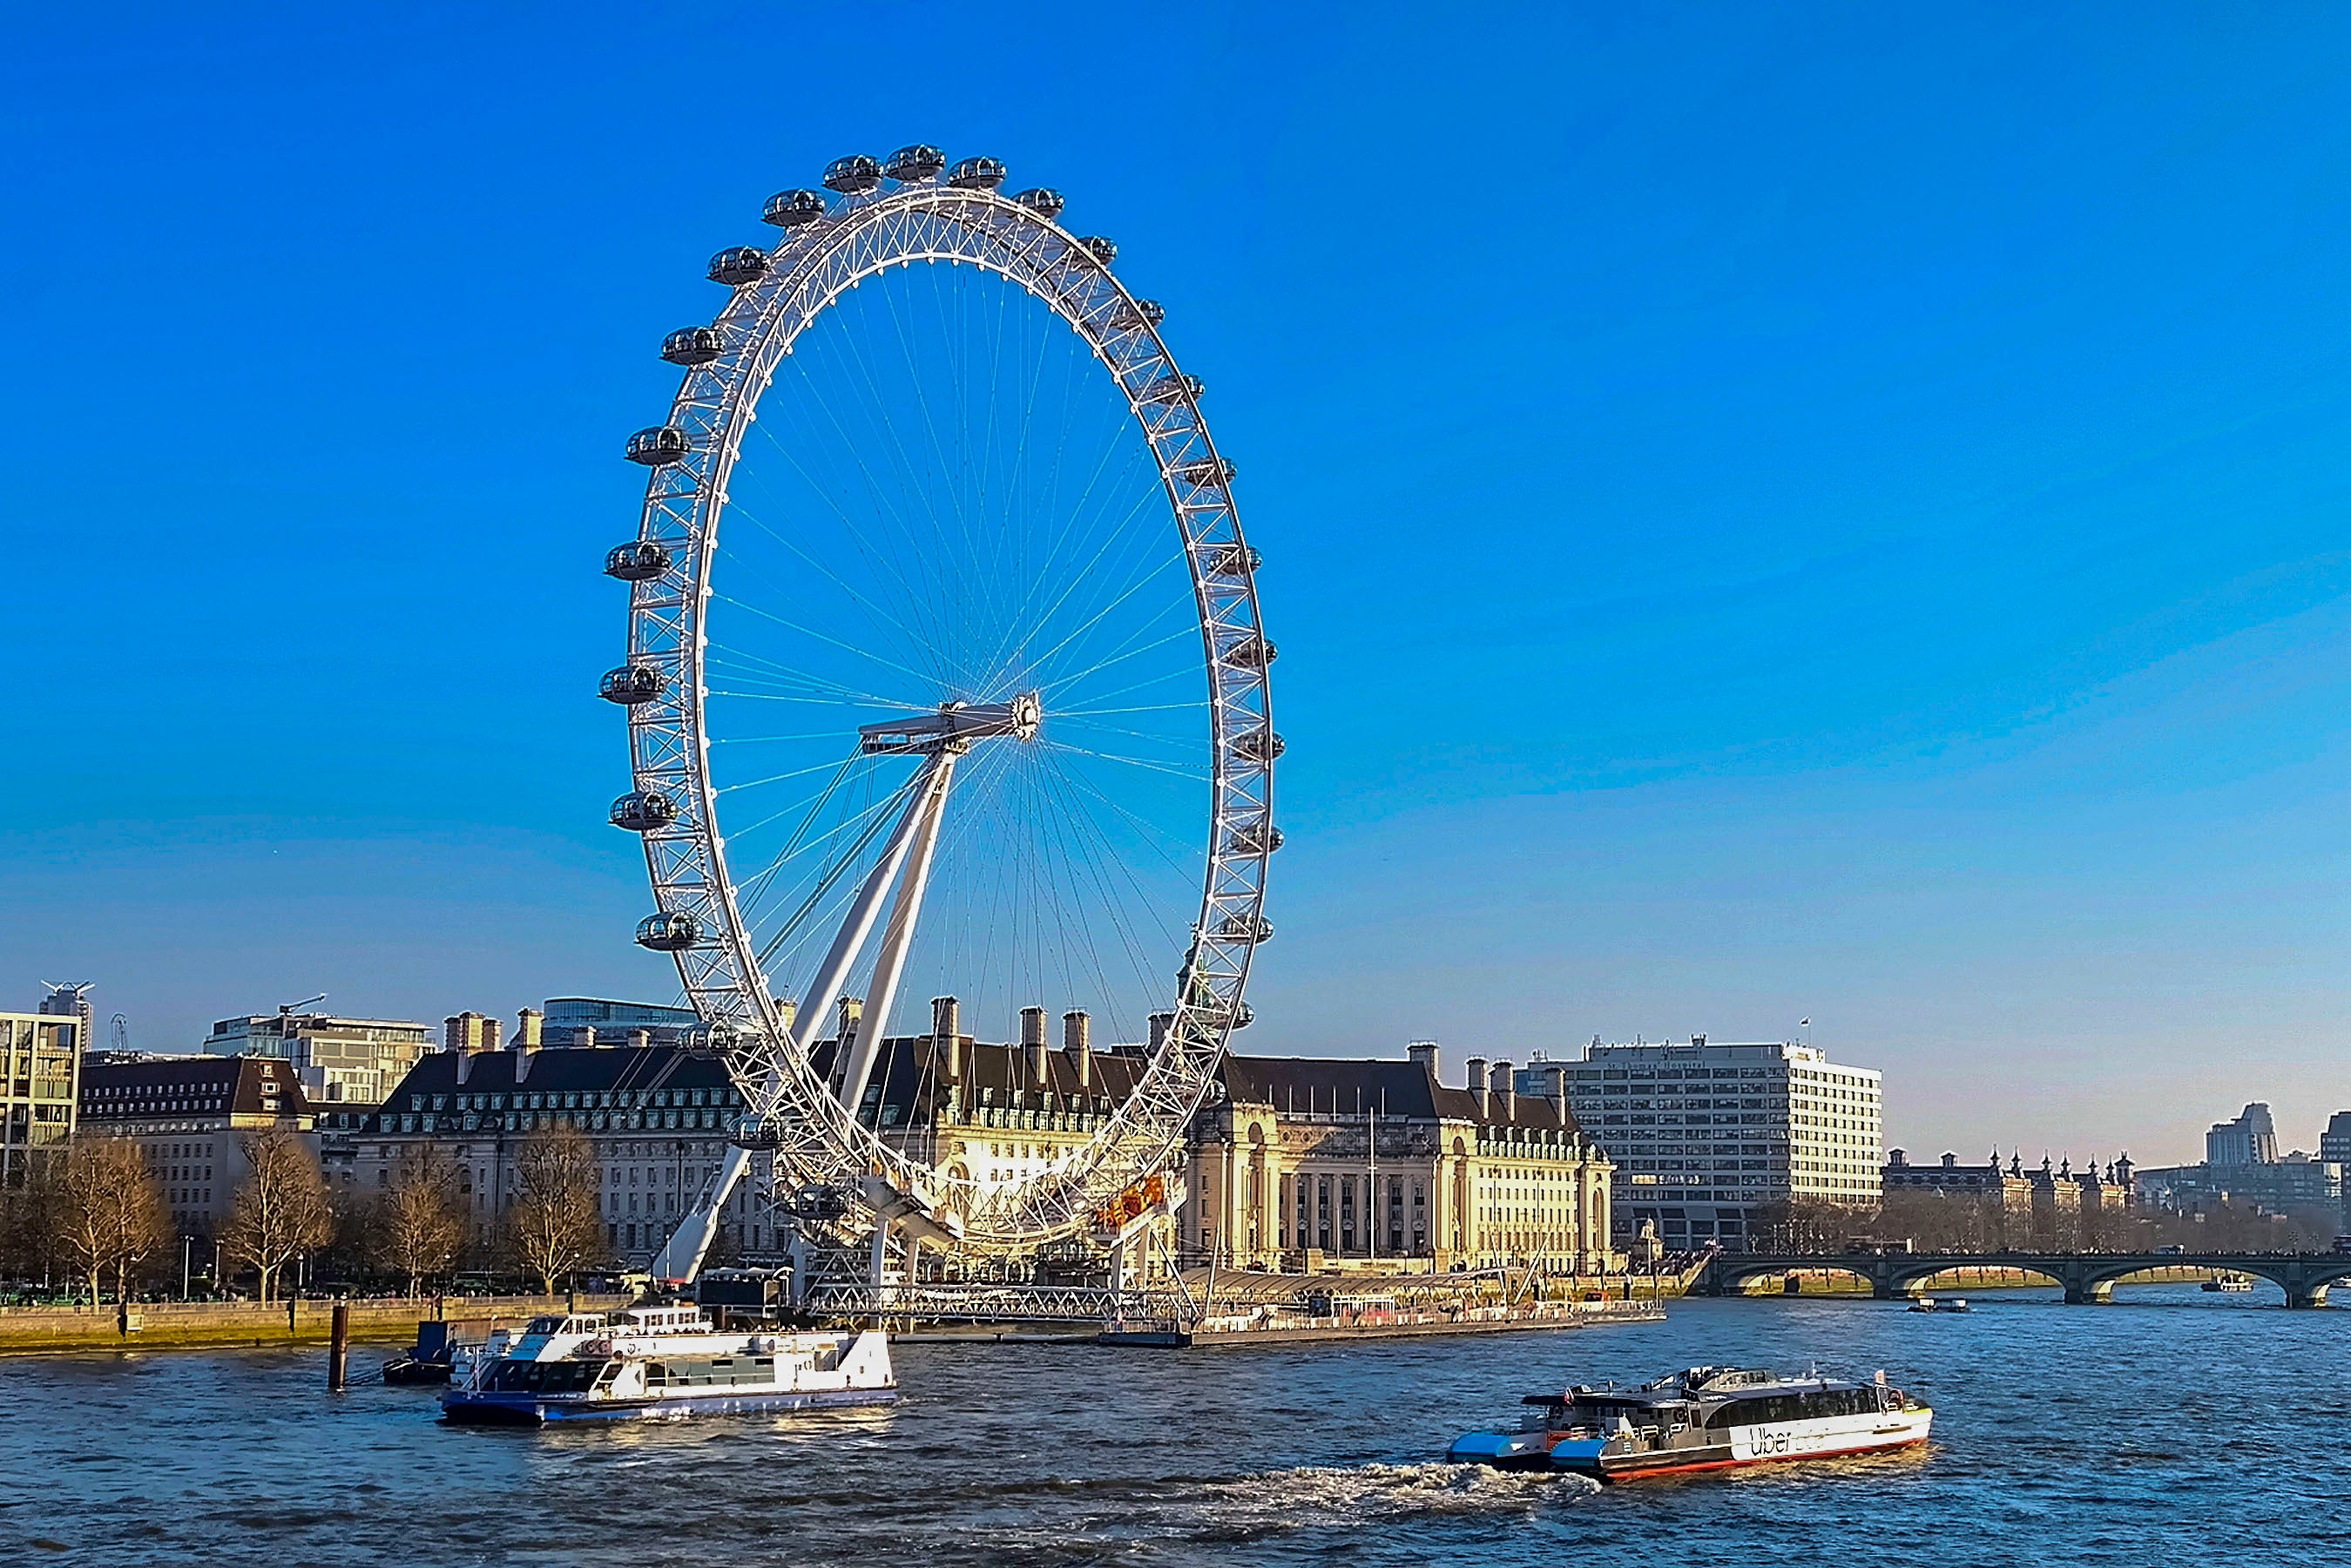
point(1558, 1095)
point(1505, 1090)
point(642, 1039)
point(1160, 1024)
point(1478, 1083)
point(469, 1031)
point(586, 1039)
point(1423, 1051)
point(946, 1036)
point(1078, 1039)
point(529, 1024)
point(1032, 1042)
point(844, 1029)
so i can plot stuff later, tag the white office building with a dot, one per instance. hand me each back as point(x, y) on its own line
point(1705, 1134)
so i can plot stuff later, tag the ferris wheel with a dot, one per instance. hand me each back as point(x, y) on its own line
point(947, 694)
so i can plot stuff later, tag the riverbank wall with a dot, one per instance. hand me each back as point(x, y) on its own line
point(213, 1326)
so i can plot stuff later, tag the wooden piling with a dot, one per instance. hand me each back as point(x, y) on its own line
point(338, 1348)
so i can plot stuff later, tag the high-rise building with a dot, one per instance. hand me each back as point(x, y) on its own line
point(2250, 1140)
point(338, 1061)
point(71, 1000)
point(1704, 1135)
point(41, 1072)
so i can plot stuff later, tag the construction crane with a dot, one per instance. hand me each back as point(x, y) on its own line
point(288, 1008)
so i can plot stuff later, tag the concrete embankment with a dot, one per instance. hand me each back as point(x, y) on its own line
point(197, 1325)
point(1299, 1328)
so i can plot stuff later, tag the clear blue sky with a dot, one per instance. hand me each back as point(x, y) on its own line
point(1771, 512)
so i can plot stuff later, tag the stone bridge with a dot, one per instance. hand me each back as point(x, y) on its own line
point(2084, 1276)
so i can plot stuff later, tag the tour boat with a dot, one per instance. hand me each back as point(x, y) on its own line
point(2231, 1282)
point(663, 1362)
point(1938, 1304)
point(1708, 1418)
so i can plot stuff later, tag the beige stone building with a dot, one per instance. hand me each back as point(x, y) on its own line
point(1307, 1163)
point(191, 1115)
point(1299, 1164)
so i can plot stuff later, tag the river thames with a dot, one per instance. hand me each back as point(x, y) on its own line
point(2170, 1426)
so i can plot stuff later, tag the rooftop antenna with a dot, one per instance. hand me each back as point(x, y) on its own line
point(118, 1033)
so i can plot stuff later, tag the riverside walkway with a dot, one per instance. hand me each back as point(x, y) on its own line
point(2086, 1277)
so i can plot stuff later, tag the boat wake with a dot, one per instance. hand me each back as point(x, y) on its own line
point(1328, 1497)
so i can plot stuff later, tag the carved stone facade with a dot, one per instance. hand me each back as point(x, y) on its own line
point(1307, 1163)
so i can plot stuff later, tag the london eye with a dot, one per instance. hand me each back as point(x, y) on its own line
point(948, 694)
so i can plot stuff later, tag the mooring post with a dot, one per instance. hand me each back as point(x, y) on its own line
point(339, 1347)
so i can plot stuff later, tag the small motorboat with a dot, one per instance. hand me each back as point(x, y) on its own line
point(416, 1370)
point(1939, 1304)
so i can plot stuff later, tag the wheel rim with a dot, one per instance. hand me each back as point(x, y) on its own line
point(781, 298)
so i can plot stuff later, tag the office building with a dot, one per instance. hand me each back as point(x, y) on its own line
point(2250, 1140)
point(1706, 1134)
point(336, 1060)
point(40, 1074)
point(595, 1020)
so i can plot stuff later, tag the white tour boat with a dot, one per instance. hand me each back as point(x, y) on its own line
point(1708, 1418)
point(661, 1363)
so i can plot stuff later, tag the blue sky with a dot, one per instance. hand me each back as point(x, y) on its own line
point(1770, 512)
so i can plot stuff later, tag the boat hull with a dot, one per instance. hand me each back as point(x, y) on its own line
point(1748, 1446)
point(467, 1407)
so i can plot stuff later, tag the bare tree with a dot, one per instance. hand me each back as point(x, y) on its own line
point(420, 1221)
point(280, 1210)
point(109, 1211)
point(554, 1225)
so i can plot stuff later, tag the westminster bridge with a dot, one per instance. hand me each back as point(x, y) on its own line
point(2085, 1277)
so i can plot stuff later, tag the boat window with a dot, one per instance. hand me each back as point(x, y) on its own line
point(542, 1376)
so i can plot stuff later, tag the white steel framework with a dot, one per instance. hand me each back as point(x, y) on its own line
point(807, 1119)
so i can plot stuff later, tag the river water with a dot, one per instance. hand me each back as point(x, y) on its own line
point(2169, 1428)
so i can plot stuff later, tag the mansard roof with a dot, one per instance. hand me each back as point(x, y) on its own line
point(1357, 1086)
point(167, 1085)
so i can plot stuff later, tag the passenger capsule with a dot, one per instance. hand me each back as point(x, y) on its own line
point(977, 175)
point(643, 812)
point(852, 175)
point(793, 209)
point(639, 560)
point(1251, 652)
point(1102, 250)
point(1208, 471)
point(1244, 1015)
point(1237, 928)
point(631, 684)
point(672, 932)
point(693, 346)
point(1256, 838)
point(738, 265)
point(662, 443)
point(1044, 203)
point(910, 164)
point(1171, 389)
point(1259, 746)
point(1231, 560)
point(1134, 315)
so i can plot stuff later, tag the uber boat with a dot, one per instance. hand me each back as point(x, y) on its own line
point(662, 1362)
point(1707, 1419)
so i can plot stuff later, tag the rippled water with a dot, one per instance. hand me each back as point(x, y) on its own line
point(2173, 1425)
